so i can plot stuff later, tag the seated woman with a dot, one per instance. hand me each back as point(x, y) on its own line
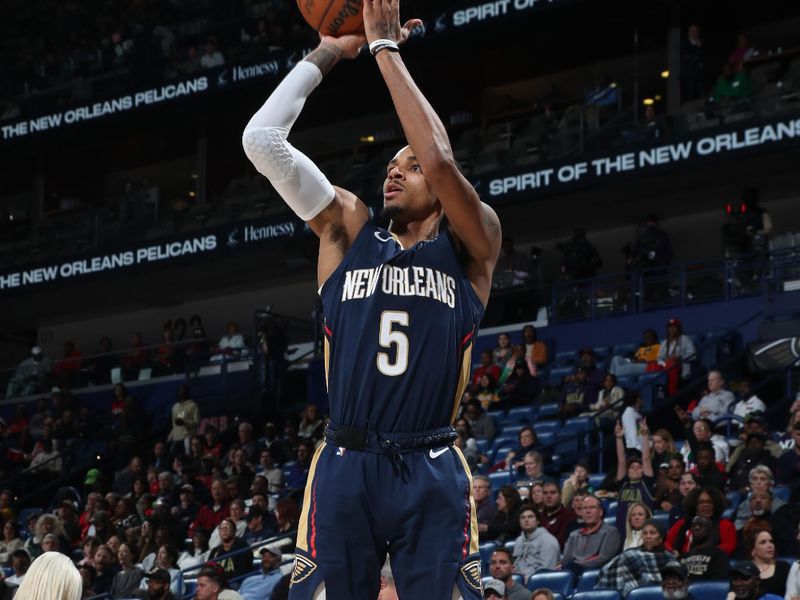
point(505, 527)
point(485, 392)
point(520, 388)
point(638, 515)
point(761, 550)
point(502, 352)
point(645, 354)
point(708, 503)
point(609, 395)
point(637, 567)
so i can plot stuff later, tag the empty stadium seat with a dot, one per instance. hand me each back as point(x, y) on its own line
point(648, 592)
point(598, 595)
point(485, 549)
point(500, 478)
point(710, 590)
point(482, 445)
point(547, 411)
point(595, 479)
point(522, 414)
point(497, 415)
point(510, 430)
point(565, 358)
point(561, 582)
point(546, 427)
point(627, 349)
point(587, 580)
point(782, 491)
point(611, 511)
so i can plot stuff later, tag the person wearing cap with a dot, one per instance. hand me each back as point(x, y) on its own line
point(705, 560)
point(639, 566)
point(577, 393)
point(187, 508)
point(260, 586)
point(677, 349)
point(494, 588)
point(31, 375)
point(158, 582)
point(635, 478)
point(717, 399)
point(675, 581)
point(745, 581)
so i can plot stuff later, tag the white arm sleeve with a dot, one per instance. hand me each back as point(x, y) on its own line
point(295, 177)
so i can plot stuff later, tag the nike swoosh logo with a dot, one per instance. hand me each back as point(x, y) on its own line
point(439, 452)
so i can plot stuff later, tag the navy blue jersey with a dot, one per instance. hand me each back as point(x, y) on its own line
point(399, 332)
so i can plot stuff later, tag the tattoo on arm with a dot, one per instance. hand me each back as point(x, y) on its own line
point(491, 223)
point(325, 57)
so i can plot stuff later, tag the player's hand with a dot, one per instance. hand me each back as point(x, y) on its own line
point(382, 21)
point(345, 46)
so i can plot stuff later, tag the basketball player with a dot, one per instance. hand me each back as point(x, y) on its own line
point(402, 307)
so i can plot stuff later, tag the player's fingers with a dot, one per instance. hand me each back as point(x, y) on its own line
point(412, 24)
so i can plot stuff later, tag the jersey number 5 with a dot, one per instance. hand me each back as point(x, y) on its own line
point(388, 336)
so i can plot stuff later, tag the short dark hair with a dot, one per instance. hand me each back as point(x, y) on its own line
point(506, 551)
point(215, 573)
point(531, 508)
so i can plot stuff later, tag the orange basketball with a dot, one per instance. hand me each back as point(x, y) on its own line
point(333, 17)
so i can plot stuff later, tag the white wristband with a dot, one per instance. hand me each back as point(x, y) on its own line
point(383, 44)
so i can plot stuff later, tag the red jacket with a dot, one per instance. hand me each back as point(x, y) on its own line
point(208, 519)
point(727, 537)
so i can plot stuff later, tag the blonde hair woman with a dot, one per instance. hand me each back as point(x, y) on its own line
point(52, 576)
point(637, 515)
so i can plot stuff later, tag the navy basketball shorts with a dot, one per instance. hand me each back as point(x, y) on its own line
point(359, 506)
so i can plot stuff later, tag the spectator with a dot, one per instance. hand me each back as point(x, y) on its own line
point(677, 349)
point(697, 432)
point(535, 350)
point(793, 581)
point(237, 510)
point(789, 462)
point(749, 404)
point(126, 581)
point(779, 520)
point(708, 472)
point(11, 541)
point(88, 574)
point(487, 367)
point(198, 553)
point(45, 524)
point(297, 474)
point(634, 477)
point(158, 586)
point(32, 375)
point(761, 480)
point(542, 594)
point(637, 567)
point(287, 515)
point(576, 482)
point(269, 471)
point(692, 73)
point(165, 361)
point(485, 507)
point(502, 353)
point(501, 568)
point(667, 492)
point(708, 503)
point(485, 393)
point(528, 442)
point(98, 367)
point(556, 517)
point(608, 400)
point(580, 259)
point(594, 544)
point(513, 269)
point(212, 56)
point(185, 417)
point(211, 515)
point(746, 582)
point(576, 394)
point(652, 248)
point(638, 514)
point(535, 548)
point(632, 421)
point(20, 563)
point(744, 51)
point(257, 528)
point(51, 577)
point(124, 478)
point(494, 588)
point(687, 484)
point(231, 345)
point(675, 582)
point(520, 388)
point(67, 370)
point(645, 354)
point(750, 454)
point(107, 568)
point(731, 85)
point(705, 560)
point(505, 525)
point(137, 358)
point(238, 564)
point(716, 402)
point(532, 466)
point(482, 425)
point(260, 586)
point(167, 560)
point(310, 423)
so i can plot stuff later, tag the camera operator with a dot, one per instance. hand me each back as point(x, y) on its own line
point(652, 248)
point(274, 341)
point(748, 226)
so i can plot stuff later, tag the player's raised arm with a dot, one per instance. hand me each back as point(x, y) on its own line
point(334, 214)
point(475, 223)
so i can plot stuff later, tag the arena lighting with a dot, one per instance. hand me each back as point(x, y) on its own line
point(613, 84)
point(658, 97)
point(368, 139)
point(192, 194)
point(648, 101)
point(665, 74)
point(194, 175)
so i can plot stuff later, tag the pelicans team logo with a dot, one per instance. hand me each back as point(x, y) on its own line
point(303, 567)
point(472, 573)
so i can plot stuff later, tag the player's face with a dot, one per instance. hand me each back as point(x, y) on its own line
point(407, 195)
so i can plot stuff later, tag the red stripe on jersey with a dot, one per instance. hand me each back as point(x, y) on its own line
point(328, 331)
point(467, 523)
point(466, 339)
point(313, 541)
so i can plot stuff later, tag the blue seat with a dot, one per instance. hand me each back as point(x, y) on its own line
point(560, 582)
point(595, 479)
point(482, 445)
point(587, 580)
point(547, 439)
point(485, 549)
point(627, 382)
point(26, 513)
point(648, 592)
point(504, 440)
point(518, 579)
point(733, 497)
point(611, 521)
point(497, 415)
point(662, 517)
point(546, 427)
point(628, 349)
point(547, 411)
point(567, 446)
point(601, 351)
point(499, 453)
point(782, 491)
point(514, 430)
point(710, 590)
point(522, 414)
point(190, 587)
point(579, 424)
point(565, 358)
point(612, 508)
point(500, 478)
point(598, 595)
